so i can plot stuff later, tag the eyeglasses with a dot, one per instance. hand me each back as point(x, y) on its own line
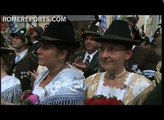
point(111, 50)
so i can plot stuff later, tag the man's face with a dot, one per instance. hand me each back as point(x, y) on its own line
point(17, 42)
point(90, 43)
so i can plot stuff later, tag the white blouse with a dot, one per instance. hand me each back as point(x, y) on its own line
point(112, 91)
point(68, 81)
point(8, 82)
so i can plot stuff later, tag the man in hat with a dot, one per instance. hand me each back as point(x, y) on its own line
point(10, 85)
point(155, 98)
point(23, 61)
point(143, 60)
point(87, 61)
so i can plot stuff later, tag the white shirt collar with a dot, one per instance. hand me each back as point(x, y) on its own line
point(22, 54)
point(91, 55)
point(133, 47)
point(35, 42)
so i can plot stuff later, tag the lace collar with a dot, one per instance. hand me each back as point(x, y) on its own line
point(113, 91)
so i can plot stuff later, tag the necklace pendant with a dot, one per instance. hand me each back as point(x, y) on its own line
point(46, 94)
point(112, 76)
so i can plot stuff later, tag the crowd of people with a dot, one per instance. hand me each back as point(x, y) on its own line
point(115, 64)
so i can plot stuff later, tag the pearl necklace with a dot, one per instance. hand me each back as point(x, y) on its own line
point(112, 76)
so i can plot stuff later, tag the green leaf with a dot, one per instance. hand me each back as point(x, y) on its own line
point(99, 97)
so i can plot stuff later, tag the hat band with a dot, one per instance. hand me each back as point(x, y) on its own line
point(49, 38)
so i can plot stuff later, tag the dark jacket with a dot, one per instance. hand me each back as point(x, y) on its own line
point(155, 97)
point(34, 48)
point(20, 69)
point(143, 58)
point(93, 65)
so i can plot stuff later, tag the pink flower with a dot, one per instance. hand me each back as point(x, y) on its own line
point(28, 98)
point(33, 99)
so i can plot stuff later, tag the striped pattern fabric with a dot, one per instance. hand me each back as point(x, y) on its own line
point(64, 99)
point(103, 23)
point(87, 60)
point(12, 95)
point(13, 27)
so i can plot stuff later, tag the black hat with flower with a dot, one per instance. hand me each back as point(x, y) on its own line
point(39, 30)
point(21, 34)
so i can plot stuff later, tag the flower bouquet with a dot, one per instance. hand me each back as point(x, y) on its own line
point(103, 100)
point(28, 98)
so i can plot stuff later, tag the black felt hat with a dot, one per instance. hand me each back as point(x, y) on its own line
point(62, 32)
point(39, 30)
point(21, 33)
point(119, 32)
point(92, 30)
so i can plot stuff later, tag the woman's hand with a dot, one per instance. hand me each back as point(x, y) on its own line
point(33, 76)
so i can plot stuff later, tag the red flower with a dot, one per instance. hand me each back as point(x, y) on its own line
point(30, 31)
point(103, 100)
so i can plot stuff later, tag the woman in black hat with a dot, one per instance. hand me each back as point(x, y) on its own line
point(115, 50)
point(10, 85)
point(60, 83)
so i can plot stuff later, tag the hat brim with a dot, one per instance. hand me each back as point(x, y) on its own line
point(91, 33)
point(6, 50)
point(16, 34)
point(150, 43)
point(72, 43)
point(117, 39)
point(13, 34)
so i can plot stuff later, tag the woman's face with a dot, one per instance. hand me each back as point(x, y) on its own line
point(112, 56)
point(49, 55)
